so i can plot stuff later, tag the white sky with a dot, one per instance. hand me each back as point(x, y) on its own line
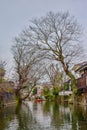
point(15, 15)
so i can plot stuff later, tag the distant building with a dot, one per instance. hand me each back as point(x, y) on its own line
point(80, 73)
point(81, 70)
point(7, 92)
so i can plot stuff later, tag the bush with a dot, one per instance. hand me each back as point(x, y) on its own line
point(66, 86)
point(75, 91)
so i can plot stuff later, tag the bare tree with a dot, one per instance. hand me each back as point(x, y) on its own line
point(55, 75)
point(2, 69)
point(27, 67)
point(59, 35)
point(2, 64)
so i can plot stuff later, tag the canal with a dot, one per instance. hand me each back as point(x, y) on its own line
point(44, 116)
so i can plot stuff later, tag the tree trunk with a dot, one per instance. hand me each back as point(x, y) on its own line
point(18, 96)
point(69, 74)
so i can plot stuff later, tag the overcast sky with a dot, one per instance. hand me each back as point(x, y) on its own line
point(15, 16)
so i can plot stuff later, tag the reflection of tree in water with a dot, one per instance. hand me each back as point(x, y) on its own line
point(6, 116)
point(26, 120)
point(52, 109)
point(61, 116)
point(23, 116)
point(47, 108)
point(56, 118)
point(52, 116)
point(70, 118)
point(35, 106)
point(79, 118)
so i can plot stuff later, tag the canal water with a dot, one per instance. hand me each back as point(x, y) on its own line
point(44, 116)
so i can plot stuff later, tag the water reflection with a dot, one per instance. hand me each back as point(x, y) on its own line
point(44, 116)
point(7, 118)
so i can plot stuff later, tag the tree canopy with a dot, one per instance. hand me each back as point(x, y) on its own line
point(54, 37)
